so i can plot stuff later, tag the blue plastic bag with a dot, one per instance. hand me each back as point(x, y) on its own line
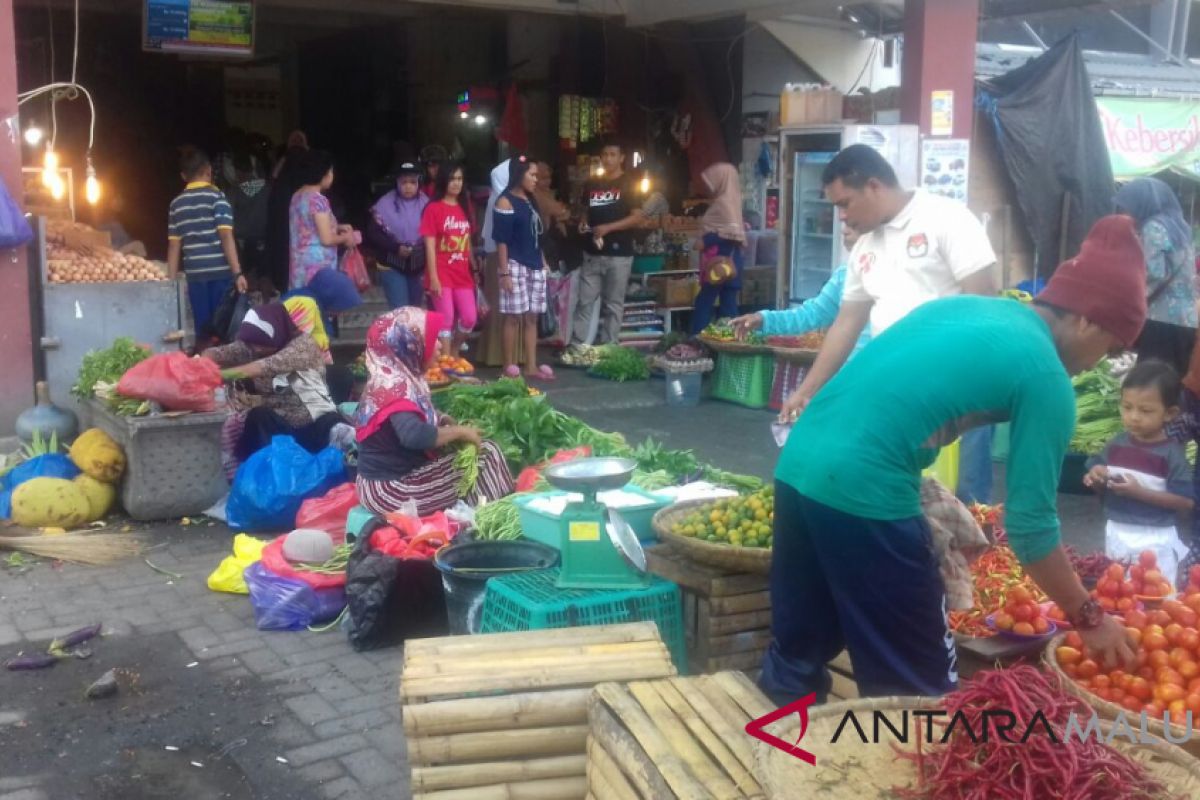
point(51, 465)
point(14, 228)
point(285, 604)
point(269, 488)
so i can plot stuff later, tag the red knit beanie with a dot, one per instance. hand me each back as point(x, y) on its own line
point(1106, 283)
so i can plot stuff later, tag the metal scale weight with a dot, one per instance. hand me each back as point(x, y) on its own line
point(599, 548)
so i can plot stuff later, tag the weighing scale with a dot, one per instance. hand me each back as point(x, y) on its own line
point(599, 548)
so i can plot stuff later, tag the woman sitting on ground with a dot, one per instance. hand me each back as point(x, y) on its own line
point(278, 374)
point(404, 452)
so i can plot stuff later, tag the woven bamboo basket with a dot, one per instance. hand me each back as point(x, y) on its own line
point(850, 770)
point(1109, 710)
point(794, 355)
point(736, 559)
point(741, 348)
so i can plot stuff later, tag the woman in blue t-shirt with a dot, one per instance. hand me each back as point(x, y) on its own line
point(517, 231)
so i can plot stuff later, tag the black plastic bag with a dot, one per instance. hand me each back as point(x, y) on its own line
point(391, 599)
point(229, 314)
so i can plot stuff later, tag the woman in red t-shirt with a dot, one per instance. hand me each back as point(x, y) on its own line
point(449, 274)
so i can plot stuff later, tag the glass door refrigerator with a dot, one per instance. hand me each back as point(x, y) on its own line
point(810, 238)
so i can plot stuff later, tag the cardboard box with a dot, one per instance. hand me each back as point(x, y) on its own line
point(809, 107)
point(677, 291)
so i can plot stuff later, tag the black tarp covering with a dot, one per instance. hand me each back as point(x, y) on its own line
point(1052, 144)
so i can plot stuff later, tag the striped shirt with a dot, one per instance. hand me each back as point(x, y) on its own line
point(195, 218)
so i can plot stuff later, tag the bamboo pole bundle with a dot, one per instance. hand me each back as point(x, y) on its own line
point(493, 745)
point(459, 776)
point(548, 789)
point(473, 714)
point(474, 645)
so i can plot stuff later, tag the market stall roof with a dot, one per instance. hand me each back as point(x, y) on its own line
point(1122, 74)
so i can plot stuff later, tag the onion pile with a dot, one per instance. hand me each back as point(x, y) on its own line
point(102, 266)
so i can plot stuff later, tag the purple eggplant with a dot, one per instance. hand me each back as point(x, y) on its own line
point(75, 637)
point(31, 661)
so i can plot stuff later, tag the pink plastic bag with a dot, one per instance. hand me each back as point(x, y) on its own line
point(174, 381)
point(356, 269)
point(329, 513)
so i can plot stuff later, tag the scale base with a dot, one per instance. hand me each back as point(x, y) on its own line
point(589, 559)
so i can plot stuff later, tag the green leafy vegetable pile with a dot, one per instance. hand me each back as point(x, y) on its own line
point(620, 364)
point(1097, 409)
point(107, 366)
point(527, 429)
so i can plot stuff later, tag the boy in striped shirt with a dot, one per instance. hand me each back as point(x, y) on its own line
point(200, 239)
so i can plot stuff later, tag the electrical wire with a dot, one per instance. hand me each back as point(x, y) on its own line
point(68, 90)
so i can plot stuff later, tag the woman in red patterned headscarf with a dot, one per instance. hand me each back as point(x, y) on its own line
point(405, 451)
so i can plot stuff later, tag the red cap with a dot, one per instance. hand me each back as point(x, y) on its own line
point(1106, 282)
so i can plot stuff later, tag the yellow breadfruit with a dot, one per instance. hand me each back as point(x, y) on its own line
point(50, 503)
point(98, 455)
point(100, 496)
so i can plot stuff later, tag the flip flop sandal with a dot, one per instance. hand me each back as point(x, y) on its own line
point(511, 371)
point(544, 373)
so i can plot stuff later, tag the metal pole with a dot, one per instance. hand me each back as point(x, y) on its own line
point(1171, 27)
point(1033, 34)
point(1170, 56)
point(1183, 34)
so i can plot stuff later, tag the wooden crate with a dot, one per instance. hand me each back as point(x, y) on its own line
point(504, 715)
point(726, 615)
point(674, 738)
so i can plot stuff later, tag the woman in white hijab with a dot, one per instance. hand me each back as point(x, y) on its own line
point(491, 346)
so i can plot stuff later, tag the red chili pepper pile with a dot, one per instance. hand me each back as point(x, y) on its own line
point(1037, 769)
point(995, 574)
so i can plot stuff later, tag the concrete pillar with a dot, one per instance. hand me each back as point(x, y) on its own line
point(16, 334)
point(939, 55)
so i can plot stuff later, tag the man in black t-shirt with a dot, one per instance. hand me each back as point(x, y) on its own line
point(608, 256)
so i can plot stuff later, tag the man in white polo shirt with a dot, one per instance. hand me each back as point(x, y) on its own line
point(915, 247)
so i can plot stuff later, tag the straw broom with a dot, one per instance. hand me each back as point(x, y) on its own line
point(80, 547)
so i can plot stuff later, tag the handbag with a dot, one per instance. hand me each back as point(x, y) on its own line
point(414, 264)
point(548, 320)
point(355, 268)
point(14, 228)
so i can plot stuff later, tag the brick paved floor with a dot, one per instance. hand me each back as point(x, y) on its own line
point(331, 713)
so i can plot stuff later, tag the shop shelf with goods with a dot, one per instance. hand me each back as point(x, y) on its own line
point(506, 714)
point(642, 324)
point(532, 601)
point(82, 302)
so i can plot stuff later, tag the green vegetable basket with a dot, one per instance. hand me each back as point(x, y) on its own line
point(744, 379)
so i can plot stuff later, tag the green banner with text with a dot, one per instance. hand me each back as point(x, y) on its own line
point(1147, 135)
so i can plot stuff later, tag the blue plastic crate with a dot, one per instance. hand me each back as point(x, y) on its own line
point(531, 601)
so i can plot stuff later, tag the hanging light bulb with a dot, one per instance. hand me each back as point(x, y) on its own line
point(480, 119)
point(50, 168)
point(58, 188)
point(33, 135)
point(645, 184)
point(91, 186)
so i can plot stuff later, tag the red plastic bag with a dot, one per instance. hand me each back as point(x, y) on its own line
point(174, 381)
point(329, 513)
point(273, 559)
point(356, 269)
point(409, 537)
point(529, 476)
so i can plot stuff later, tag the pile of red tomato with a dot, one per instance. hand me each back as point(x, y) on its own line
point(1021, 614)
point(1117, 593)
point(1165, 676)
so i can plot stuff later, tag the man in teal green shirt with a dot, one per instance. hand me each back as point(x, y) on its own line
point(853, 564)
